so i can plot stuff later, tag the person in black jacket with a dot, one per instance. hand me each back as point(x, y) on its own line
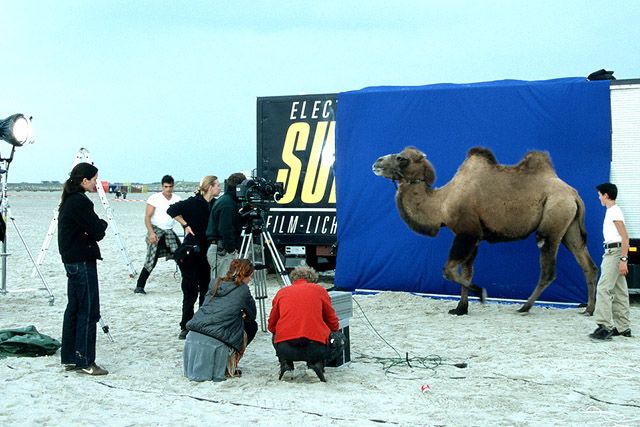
point(223, 327)
point(225, 228)
point(193, 215)
point(79, 230)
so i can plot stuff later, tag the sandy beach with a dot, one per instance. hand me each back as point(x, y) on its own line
point(411, 362)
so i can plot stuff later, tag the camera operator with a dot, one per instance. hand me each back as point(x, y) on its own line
point(225, 228)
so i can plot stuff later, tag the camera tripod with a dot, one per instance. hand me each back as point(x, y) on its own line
point(6, 213)
point(254, 239)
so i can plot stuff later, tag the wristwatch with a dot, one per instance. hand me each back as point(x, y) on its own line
point(624, 258)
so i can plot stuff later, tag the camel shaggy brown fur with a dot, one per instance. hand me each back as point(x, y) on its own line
point(495, 203)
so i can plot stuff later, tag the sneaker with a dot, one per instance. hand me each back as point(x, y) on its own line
point(318, 368)
point(69, 367)
point(139, 290)
point(625, 333)
point(92, 370)
point(601, 333)
point(285, 366)
point(183, 334)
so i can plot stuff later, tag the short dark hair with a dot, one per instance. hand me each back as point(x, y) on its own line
point(609, 189)
point(167, 179)
point(233, 180)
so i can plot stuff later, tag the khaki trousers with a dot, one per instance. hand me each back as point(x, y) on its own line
point(219, 263)
point(612, 297)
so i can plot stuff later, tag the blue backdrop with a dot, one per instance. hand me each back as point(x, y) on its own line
point(570, 118)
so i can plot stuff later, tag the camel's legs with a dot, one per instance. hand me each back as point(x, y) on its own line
point(462, 255)
point(548, 253)
point(557, 216)
point(574, 241)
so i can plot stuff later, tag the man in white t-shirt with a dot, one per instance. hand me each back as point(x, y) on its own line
point(612, 298)
point(161, 240)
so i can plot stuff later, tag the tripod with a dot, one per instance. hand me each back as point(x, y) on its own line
point(6, 213)
point(254, 238)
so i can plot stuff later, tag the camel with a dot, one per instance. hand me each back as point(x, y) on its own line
point(486, 201)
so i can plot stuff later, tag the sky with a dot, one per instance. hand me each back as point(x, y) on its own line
point(153, 87)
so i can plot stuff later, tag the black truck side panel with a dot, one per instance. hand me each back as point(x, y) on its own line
point(295, 146)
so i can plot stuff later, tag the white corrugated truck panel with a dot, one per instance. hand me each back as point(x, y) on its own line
point(625, 164)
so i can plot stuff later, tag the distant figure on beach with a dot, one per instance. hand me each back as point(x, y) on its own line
point(193, 215)
point(301, 321)
point(223, 327)
point(124, 193)
point(117, 194)
point(161, 240)
point(79, 230)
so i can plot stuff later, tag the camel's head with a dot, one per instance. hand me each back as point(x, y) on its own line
point(410, 165)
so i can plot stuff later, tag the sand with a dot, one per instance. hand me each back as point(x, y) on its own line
point(535, 369)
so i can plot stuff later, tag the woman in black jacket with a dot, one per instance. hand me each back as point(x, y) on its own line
point(79, 230)
point(193, 215)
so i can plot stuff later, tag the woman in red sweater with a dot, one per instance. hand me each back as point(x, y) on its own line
point(301, 320)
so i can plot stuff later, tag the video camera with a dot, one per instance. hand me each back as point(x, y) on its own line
point(259, 190)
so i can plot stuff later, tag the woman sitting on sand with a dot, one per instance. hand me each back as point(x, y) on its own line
point(222, 328)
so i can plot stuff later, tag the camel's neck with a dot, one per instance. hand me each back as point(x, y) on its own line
point(420, 207)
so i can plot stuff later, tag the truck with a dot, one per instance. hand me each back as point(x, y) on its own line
point(296, 147)
point(625, 158)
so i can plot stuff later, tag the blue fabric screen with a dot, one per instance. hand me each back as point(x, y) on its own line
point(570, 118)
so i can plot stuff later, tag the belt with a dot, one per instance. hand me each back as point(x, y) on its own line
point(612, 245)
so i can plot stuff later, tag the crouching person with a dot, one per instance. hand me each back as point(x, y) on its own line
point(301, 320)
point(222, 328)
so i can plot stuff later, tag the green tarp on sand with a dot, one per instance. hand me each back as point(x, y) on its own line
point(26, 342)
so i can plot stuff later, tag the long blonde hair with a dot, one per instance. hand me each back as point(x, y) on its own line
point(205, 183)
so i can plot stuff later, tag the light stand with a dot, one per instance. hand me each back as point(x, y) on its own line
point(16, 130)
point(254, 238)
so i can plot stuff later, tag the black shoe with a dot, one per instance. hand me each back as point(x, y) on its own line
point(139, 290)
point(318, 368)
point(183, 334)
point(601, 333)
point(285, 366)
point(625, 333)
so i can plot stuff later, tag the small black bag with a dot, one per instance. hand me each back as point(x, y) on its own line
point(185, 255)
point(337, 341)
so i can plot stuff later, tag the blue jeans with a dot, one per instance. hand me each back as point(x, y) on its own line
point(81, 315)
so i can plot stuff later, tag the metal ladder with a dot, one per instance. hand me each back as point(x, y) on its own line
point(84, 156)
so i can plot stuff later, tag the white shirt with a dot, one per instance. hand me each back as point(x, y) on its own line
point(159, 218)
point(609, 230)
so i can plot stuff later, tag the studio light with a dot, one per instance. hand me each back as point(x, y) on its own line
point(16, 130)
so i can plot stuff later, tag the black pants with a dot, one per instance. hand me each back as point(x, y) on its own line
point(301, 349)
point(195, 283)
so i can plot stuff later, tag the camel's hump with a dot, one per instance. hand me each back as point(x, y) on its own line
point(483, 152)
point(533, 160)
